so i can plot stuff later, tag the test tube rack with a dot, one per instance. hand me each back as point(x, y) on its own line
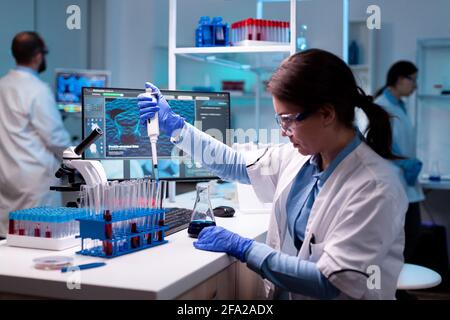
point(118, 234)
point(48, 228)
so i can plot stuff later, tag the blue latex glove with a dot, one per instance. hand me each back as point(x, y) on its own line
point(218, 239)
point(169, 121)
point(411, 169)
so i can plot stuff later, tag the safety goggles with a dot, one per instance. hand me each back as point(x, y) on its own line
point(288, 122)
point(413, 80)
point(44, 51)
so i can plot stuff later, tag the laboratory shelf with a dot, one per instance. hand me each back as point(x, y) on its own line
point(433, 96)
point(359, 66)
point(233, 49)
point(250, 96)
point(443, 184)
point(255, 58)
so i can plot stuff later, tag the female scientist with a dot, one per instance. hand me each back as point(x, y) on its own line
point(402, 82)
point(336, 229)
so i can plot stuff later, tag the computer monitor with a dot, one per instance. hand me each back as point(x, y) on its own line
point(124, 149)
point(69, 83)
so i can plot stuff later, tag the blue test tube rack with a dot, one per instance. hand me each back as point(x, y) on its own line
point(118, 243)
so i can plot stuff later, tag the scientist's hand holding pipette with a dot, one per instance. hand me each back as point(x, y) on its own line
point(168, 120)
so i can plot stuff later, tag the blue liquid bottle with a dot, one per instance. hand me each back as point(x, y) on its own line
point(353, 53)
point(221, 32)
point(202, 215)
point(203, 33)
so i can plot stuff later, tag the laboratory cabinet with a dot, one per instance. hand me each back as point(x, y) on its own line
point(432, 110)
point(236, 282)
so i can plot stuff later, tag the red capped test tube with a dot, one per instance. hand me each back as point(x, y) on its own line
point(107, 245)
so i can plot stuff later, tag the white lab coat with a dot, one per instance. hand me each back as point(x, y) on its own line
point(32, 136)
point(357, 219)
point(404, 136)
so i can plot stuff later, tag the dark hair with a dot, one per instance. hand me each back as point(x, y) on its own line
point(26, 45)
point(314, 78)
point(396, 71)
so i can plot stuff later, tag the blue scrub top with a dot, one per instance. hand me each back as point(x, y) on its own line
point(308, 183)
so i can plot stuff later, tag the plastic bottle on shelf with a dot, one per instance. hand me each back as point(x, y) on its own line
point(353, 53)
point(203, 33)
point(220, 32)
point(302, 43)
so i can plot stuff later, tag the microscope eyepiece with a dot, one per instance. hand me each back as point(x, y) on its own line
point(95, 134)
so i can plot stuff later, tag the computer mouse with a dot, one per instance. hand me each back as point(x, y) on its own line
point(224, 212)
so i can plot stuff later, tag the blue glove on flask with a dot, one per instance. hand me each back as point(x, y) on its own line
point(169, 121)
point(218, 239)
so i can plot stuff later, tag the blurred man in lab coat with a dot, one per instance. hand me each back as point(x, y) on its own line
point(32, 134)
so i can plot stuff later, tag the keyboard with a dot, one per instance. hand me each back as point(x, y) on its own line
point(177, 219)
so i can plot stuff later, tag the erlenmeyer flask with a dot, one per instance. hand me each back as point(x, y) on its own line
point(202, 215)
point(435, 174)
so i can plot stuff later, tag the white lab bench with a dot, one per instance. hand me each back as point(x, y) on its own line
point(175, 270)
point(435, 185)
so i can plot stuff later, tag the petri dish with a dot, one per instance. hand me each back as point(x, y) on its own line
point(52, 263)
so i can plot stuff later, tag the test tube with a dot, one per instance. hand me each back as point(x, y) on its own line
point(107, 217)
point(245, 29)
point(37, 230)
point(21, 227)
point(286, 32)
point(117, 207)
point(148, 204)
point(88, 199)
point(239, 31)
point(160, 197)
point(48, 232)
point(141, 203)
point(258, 23)
point(279, 31)
point(11, 226)
point(272, 30)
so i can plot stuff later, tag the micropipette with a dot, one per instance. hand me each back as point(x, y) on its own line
point(153, 133)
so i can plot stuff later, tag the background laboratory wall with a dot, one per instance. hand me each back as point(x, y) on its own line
point(403, 22)
point(68, 49)
point(15, 16)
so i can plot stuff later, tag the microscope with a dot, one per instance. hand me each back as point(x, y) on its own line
point(77, 170)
